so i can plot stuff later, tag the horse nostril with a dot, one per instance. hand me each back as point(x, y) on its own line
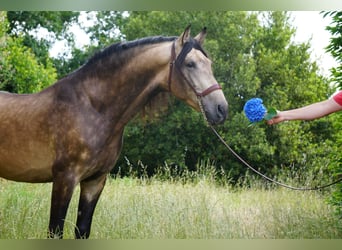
point(221, 113)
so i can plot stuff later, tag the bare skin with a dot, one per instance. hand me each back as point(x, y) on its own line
point(310, 112)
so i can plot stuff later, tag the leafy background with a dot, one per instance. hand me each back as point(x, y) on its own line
point(253, 55)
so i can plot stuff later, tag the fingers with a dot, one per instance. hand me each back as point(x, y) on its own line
point(277, 119)
point(270, 122)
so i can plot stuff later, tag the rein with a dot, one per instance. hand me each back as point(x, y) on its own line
point(173, 60)
point(264, 176)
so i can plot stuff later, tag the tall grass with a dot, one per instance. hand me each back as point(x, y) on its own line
point(197, 208)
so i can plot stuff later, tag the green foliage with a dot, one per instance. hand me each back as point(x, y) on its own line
point(54, 21)
point(65, 66)
point(106, 28)
point(28, 24)
point(336, 166)
point(334, 48)
point(20, 70)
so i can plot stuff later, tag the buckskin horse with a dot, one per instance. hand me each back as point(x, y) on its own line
point(71, 132)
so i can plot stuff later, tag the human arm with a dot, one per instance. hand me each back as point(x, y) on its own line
point(310, 112)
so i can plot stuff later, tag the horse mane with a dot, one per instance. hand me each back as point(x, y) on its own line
point(120, 47)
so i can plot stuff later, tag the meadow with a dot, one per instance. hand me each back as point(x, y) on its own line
point(132, 208)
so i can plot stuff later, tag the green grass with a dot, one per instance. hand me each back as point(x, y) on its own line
point(134, 209)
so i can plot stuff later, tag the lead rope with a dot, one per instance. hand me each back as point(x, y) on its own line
point(253, 169)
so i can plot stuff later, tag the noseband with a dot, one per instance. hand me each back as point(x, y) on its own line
point(205, 92)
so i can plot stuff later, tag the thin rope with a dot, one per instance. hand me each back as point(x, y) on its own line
point(264, 176)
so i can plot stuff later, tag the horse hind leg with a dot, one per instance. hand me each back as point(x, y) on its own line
point(91, 190)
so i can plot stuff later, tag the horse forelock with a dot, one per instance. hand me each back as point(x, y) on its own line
point(188, 46)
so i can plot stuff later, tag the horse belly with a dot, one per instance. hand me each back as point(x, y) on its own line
point(26, 164)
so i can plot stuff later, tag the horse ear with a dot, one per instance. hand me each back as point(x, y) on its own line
point(201, 36)
point(185, 36)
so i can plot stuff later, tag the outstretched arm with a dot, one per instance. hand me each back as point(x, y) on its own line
point(310, 112)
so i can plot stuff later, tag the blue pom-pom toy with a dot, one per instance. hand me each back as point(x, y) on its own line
point(254, 110)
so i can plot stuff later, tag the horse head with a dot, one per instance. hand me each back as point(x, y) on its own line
point(191, 78)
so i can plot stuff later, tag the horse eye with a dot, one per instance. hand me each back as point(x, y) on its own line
point(190, 64)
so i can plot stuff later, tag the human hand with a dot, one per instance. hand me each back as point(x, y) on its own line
point(276, 119)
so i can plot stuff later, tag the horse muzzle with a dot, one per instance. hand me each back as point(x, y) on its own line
point(215, 112)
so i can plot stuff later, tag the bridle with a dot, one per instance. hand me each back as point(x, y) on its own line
point(199, 95)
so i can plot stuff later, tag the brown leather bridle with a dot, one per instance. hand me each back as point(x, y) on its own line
point(205, 92)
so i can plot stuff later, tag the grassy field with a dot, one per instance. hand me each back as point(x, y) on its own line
point(134, 209)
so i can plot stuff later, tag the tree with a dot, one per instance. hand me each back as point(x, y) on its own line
point(335, 45)
point(28, 24)
point(104, 31)
point(106, 28)
point(21, 72)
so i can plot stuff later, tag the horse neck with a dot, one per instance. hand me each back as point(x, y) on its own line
point(121, 92)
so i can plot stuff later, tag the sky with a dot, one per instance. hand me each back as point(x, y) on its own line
point(310, 26)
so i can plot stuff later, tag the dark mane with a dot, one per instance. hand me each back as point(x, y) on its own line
point(123, 46)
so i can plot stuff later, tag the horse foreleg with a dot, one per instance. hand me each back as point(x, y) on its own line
point(90, 192)
point(62, 190)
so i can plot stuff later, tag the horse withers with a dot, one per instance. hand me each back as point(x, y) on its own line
point(71, 132)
